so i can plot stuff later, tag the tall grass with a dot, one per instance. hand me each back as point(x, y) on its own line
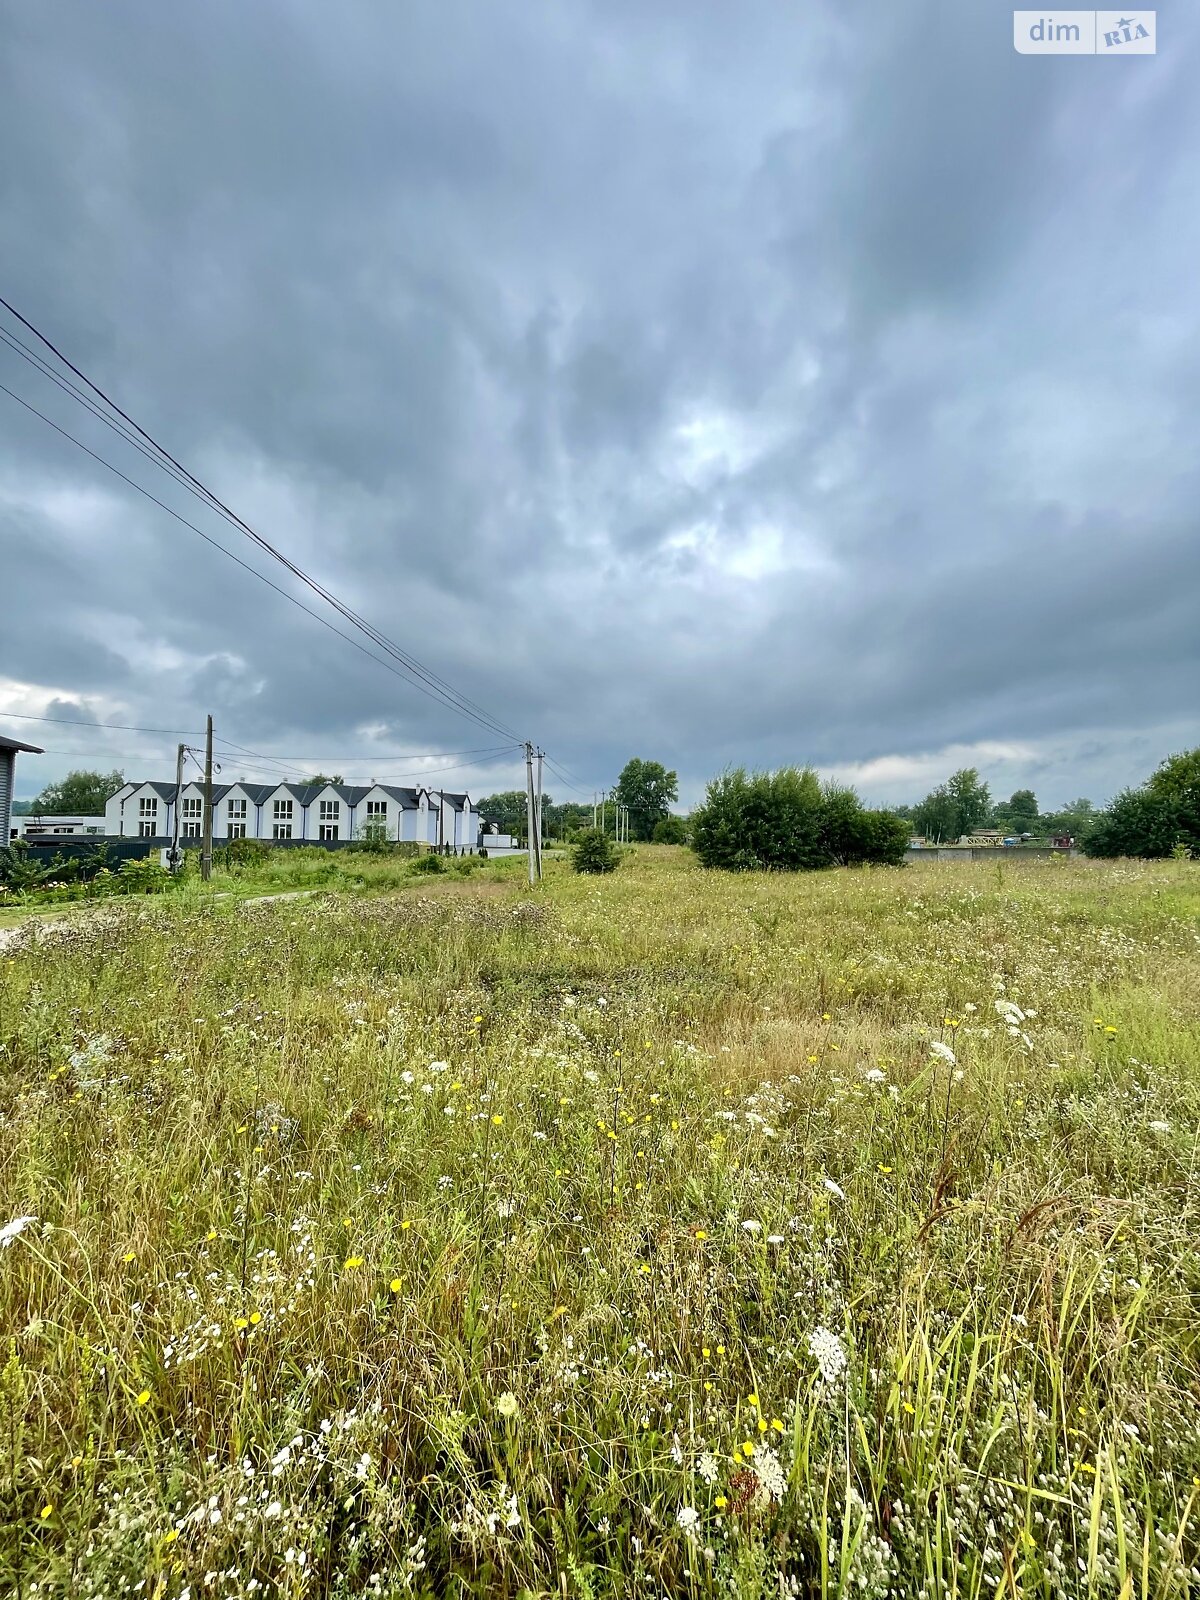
point(657, 1234)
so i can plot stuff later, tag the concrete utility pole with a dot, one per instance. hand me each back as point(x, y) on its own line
point(538, 814)
point(206, 846)
point(530, 815)
point(175, 855)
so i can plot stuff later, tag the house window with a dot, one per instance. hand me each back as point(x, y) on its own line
point(191, 830)
point(235, 811)
point(146, 830)
point(281, 830)
point(236, 808)
point(329, 810)
point(283, 813)
point(327, 830)
point(237, 830)
point(147, 806)
point(377, 808)
point(192, 806)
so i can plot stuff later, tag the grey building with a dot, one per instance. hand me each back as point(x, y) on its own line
point(8, 765)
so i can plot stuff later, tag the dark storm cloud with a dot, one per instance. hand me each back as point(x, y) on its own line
point(753, 383)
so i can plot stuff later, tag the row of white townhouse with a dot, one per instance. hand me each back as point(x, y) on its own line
point(319, 812)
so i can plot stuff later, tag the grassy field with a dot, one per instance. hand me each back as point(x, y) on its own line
point(667, 1234)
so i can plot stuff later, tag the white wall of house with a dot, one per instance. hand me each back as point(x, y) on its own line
point(236, 809)
point(281, 810)
point(136, 807)
point(140, 803)
point(329, 816)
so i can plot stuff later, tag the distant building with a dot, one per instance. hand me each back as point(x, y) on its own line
point(982, 836)
point(39, 829)
point(316, 813)
point(8, 769)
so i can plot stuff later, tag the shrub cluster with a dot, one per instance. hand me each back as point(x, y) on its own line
point(1160, 819)
point(595, 852)
point(787, 821)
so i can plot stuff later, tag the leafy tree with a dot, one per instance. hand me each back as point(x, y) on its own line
point(647, 790)
point(670, 830)
point(937, 816)
point(855, 836)
point(1159, 819)
point(1020, 810)
point(507, 811)
point(784, 821)
point(1077, 818)
point(79, 794)
point(958, 806)
point(561, 821)
point(320, 779)
point(595, 852)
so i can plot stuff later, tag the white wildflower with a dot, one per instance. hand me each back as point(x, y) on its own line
point(875, 1075)
point(508, 1405)
point(687, 1517)
point(706, 1467)
point(826, 1349)
point(12, 1230)
point(943, 1052)
point(835, 1189)
point(1157, 1126)
point(1011, 1012)
point(771, 1477)
point(751, 1226)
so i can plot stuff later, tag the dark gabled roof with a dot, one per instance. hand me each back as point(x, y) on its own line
point(410, 799)
point(15, 744)
point(458, 801)
point(257, 792)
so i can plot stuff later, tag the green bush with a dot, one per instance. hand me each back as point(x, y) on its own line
point(670, 830)
point(430, 864)
point(242, 853)
point(786, 822)
point(595, 852)
point(1156, 820)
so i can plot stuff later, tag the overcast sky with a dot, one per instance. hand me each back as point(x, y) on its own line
point(719, 383)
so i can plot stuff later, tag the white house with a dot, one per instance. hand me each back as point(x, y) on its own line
point(315, 813)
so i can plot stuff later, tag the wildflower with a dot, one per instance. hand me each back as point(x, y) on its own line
point(771, 1475)
point(777, 1424)
point(875, 1075)
point(13, 1230)
point(706, 1467)
point(396, 1285)
point(1160, 1127)
point(720, 1502)
point(835, 1189)
point(498, 1119)
point(826, 1349)
point(351, 1262)
point(46, 1512)
point(687, 1517)
point(943, 1052)
point(747, 1449)
point(1012, 1014)
point(507, 1404)
point(752, 1400)
point(750, 1226)
point(144, 1397)
point(885, 1170)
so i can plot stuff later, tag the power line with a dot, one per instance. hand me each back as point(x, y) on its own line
point(565, 779)
point(100, 727)
point(437, 687)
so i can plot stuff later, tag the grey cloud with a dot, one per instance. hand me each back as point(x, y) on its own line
point(434, 295)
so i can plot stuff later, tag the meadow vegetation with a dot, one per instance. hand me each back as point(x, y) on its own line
point(664, 1232)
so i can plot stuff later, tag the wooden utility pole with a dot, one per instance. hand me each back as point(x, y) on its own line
point(175, 855)
point(206, 845)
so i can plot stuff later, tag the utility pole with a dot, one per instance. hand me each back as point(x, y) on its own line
point(175, 855)
point(530, 818)
point(603, 798)
point(593, 809)
point(538, 814)
point(206, 848)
